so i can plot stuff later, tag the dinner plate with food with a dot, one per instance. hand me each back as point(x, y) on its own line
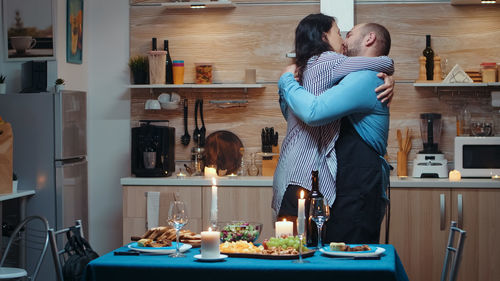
point(157, 247)
point(351, 250)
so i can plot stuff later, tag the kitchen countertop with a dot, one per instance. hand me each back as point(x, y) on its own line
point(268, 181)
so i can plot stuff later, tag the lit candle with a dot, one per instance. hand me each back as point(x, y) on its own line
point(301, 218)
point(210, 241)
point(284, 228)
point(210, 171)
point(454, 175)
point(213, 210)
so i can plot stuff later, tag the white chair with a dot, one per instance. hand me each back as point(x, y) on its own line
point(453, 254)
point(59, 256)
point(30, 233)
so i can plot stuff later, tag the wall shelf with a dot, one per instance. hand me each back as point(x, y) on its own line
point(245, 87)
point(196, 86)
point(459, 87)
point(188, 5)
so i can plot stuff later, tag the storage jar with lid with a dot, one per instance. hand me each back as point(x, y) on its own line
point(489, 72)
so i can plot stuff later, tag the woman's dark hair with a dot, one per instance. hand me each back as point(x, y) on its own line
point(309, 40)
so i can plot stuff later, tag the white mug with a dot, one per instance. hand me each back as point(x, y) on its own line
point(152, 104)
point(22, 43)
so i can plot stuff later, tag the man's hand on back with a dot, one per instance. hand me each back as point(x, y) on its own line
point(387, 89)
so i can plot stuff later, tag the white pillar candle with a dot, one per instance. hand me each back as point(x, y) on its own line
point(210, 172)
point(213, 209)
point(284, 228)
point(301, 217)
point(210, 241)
point(454, 175)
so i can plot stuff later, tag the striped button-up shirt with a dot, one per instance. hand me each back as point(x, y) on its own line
point(308, 148)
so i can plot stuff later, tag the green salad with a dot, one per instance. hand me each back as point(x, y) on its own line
point(239, 231)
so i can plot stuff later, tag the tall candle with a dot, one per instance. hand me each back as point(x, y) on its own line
point(210, 241)
point(284, 228)
point(301, 217)
point(213, 209)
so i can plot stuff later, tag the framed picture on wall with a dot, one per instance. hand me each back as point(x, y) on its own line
point(74, 31)
point(28, 30)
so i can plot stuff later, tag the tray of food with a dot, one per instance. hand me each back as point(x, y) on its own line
point(163, 236)
point(274, 248)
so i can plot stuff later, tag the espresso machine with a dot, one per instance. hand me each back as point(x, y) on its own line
point(153, 150)
point(430, 162)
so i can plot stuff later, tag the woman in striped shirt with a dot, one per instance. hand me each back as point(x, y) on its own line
point(321, 64)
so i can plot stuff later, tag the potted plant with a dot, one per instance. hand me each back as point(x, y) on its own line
point(139, 66)
point(3, 85)
point(59, 84)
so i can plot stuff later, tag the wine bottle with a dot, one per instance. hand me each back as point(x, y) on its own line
point(169, 72)
point(429, 58)
point(153, 44)
point(312, 230)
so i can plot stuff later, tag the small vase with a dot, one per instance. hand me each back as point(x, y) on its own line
point(3, 88)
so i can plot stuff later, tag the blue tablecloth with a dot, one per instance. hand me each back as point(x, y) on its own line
point(162, 267)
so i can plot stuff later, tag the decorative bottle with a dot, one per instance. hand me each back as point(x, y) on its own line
point(429, 58)
point(153, 44)
point(169, 72)
point(253, 170)
point(312, 230)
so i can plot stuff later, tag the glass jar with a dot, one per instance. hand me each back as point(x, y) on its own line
point(466, 117)
point(253, 170)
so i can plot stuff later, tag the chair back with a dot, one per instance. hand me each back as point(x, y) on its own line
point(31, 233)
point(453, 254)
point(60, 256)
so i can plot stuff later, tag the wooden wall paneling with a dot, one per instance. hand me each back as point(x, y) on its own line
point(258, 36)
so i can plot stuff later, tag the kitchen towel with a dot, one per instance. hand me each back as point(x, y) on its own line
point(6, 147)
point(153, 208)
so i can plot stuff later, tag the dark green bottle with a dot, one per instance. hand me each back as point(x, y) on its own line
point(169, 72)
point(429, 58)
point(311, 228)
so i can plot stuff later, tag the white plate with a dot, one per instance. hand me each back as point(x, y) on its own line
point(220, 258)
point(372, 253)
point(160, 250)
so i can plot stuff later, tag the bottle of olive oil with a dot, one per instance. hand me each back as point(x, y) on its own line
point(429, 58)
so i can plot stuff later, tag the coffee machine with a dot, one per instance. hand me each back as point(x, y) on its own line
point(430, 162)
point(153, 150)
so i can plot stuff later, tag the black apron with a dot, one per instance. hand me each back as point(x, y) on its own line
point(358, 210)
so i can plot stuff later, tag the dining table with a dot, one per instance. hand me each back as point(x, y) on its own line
point(143, 266)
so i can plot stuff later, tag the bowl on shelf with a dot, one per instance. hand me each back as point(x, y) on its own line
point(169, 101)
point(239, 231)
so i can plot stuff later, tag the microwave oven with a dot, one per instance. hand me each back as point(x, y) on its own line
point(477, 156)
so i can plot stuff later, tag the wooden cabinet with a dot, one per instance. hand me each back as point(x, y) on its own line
point(234, 203)
point(242, 203)
point(135, 206)
point(419, 230)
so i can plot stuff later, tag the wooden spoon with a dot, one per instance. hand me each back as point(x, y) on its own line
point(400, 139)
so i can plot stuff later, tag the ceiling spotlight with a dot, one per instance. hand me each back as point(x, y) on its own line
point(198, 6)
point(488, 1)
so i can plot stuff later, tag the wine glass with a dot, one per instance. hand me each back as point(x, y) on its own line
point(177, 217)
point(320, 213)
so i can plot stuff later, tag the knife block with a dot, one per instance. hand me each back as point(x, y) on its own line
point(268, 166)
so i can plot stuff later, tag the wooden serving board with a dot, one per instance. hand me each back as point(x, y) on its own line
point(307, 254)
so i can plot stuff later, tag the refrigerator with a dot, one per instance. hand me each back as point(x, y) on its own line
point(50, 150)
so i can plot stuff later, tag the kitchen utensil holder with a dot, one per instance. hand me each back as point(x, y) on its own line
point(402, 168)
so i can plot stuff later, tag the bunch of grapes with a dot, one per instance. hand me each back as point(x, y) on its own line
point(284, 243)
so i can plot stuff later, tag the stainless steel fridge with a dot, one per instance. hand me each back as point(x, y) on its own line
point(50, 150)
